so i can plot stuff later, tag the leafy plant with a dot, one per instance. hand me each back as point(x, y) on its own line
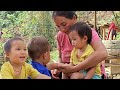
point(1, 49)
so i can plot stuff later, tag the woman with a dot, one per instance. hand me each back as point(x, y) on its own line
point(63, 20)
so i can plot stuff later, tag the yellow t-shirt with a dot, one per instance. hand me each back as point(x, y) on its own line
point(0, 76)
point(89, 50)
point(7, 71)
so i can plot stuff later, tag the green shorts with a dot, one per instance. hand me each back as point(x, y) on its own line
point(94, 77)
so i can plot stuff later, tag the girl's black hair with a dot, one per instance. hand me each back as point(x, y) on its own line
point(67, 14)
point(83, 30)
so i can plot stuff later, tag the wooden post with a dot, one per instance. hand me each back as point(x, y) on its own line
point(103, 33)
point(95, 20)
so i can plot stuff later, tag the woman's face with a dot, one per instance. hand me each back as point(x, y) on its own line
point(64, 23)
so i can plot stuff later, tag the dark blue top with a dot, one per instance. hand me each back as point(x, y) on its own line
point(41, 68)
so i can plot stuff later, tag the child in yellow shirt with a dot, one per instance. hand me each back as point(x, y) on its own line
point(80, 36)
point(16, 68)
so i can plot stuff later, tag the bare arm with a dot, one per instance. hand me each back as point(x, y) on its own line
point(55, 72)
point(60, 55)
point(42, 76)
point(99, 54)
point(90, 73)
point(52, 66)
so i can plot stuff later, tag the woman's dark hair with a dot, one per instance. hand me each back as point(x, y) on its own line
point(83, 30)
point(37, 46)
point(7, 45)
point(67, 14)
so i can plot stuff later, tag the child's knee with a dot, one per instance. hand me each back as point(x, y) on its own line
point(77, 76)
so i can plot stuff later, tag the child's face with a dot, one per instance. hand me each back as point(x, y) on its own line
point(64, 23)
point(76, 40)
point(18, 53)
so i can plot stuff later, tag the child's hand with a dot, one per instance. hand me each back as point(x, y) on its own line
point(60, 66)
point(55, 73)
point(66, 68)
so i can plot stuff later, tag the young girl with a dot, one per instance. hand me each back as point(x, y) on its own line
point(80, 36)
point(16, 68)
point(39, 52)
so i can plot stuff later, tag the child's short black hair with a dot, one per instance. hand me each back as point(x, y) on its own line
point(83, 30)
point(37, 46)
point(67, 14)
point(7, 45)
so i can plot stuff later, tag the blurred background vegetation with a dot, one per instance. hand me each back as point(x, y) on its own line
point(33, 23)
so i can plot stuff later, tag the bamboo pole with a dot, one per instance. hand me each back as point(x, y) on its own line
point(95, 20)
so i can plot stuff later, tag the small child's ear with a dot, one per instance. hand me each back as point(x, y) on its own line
point(6, 56)
point(74, 17)
point(85, 38)
point(45, 55)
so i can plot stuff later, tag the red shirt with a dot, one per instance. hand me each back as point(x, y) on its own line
point(112, 26)
point(64, 44)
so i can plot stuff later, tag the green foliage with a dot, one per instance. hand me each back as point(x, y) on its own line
point(54, 55)
point(118, 36)
point(27, 24)
point(1, 49)
point(35, 23)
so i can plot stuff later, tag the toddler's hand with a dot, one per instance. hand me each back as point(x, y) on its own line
point(55, 73)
